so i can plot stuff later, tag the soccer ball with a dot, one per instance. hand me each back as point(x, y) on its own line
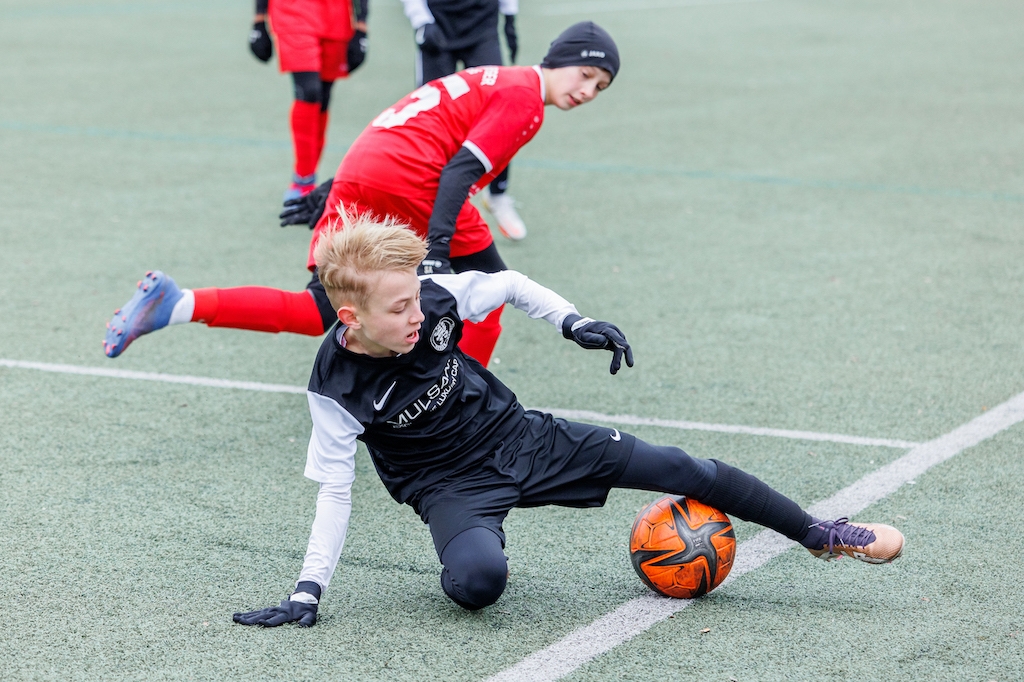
point(681, 548)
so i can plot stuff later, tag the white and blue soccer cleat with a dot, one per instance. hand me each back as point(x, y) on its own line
point(503, 208)
point(148, 310)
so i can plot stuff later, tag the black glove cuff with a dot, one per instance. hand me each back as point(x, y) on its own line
point(567, 324)
point(309, 587)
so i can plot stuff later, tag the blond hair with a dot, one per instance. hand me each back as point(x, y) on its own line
point(352, 252)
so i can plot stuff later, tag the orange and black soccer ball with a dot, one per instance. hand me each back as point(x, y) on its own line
point(681, 548)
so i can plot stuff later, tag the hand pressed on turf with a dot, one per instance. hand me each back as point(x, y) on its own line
point(288, 612)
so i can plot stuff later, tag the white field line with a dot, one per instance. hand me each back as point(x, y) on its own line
point(565, 414)
point(153, 376)
point(584, 415)
point(563, 8)
point(637, 615)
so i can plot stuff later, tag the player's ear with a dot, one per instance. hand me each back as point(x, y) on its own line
point(348, 317)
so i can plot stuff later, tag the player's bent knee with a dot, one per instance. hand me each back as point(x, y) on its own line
point(474, 587)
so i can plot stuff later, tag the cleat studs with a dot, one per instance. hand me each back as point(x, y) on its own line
point(139, 283)
point(117, 311)
point(124, 318)
point(145, 287)
point(148, 273)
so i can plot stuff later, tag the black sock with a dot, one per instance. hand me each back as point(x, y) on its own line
point(739, 494)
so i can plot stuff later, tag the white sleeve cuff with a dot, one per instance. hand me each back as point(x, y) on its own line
point(418, 13)
point(480, 156)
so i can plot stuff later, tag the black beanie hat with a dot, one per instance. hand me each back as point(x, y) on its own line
point(583, 44)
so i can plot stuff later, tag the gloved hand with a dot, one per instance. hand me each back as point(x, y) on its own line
point(437, 262)
point(431, 39)
point(308, 209)
point(260, 43)
point(511, 39)
point(356, 50)
point(299, 608)
point(590, 333)
point(272, 616)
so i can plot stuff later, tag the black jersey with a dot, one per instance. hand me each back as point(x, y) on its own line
point(463, 22)
point(430, 412)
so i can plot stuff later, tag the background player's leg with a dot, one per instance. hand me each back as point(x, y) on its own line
point(431, 66)
point(325, 102)
point(306, 136)
point(480, 338)
point(475, 568)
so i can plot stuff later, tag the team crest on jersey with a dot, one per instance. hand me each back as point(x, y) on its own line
point(442, 334)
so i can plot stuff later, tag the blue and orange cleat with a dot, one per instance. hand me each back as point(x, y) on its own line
point(300, 187)
point(148, 310)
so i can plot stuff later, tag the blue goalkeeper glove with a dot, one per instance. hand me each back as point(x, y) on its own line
point(299, 608)
point(593, 334)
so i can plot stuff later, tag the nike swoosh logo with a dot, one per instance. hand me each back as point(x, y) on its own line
point(616, 436)
point(377, 404)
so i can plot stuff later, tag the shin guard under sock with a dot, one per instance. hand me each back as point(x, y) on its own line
point(479, 339)
point(260, 309)
point(739, 494)
point(306, 136)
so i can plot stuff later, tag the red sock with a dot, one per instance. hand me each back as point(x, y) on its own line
point(479, 339)
point(260, 309)
point(306, 136)
point(321, 139)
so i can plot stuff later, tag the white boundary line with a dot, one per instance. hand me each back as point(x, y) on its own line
point(563, 8)
point(152, 376)
point(585, 415)
point(565, 414)
point(636, 616)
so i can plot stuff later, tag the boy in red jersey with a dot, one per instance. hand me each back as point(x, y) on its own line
point(318, 41)
point(417, 161)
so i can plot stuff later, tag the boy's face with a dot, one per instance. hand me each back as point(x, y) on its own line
point(568, 87)
point(389, 323)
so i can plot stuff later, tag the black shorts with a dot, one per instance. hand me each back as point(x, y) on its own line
point(544, 461)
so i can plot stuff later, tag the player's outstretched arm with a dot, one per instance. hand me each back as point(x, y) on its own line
point(590, 333)
point(457, 177)
point(299, 608)
point(259, 39)
point(308, 209)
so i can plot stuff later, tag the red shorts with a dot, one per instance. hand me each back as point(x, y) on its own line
point(306, 52)
point(472, 235)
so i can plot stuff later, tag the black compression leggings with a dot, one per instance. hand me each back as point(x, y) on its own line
point(475, 566)
point(737, 493)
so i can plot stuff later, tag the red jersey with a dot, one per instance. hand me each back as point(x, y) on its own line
point(492, 111)
point(328, 19)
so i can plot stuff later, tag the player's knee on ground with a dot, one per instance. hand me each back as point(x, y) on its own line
point(475, 568)
point(667, 469)
point(307, 87)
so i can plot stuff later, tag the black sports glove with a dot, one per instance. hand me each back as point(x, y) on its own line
point(437, 262)
point(431, 39)
point(593, 334)
point(510, 37)
point(260, 43)
point(356, 50)
point(308, 209)
point(288, 612)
